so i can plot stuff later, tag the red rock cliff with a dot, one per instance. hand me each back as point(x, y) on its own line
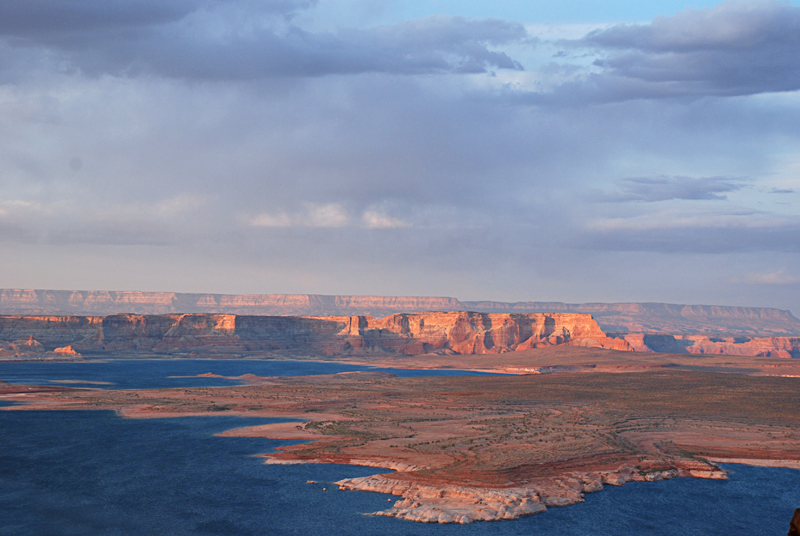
point(619, 317)
point(782, 347)
point(470, 333)
point(416, 333)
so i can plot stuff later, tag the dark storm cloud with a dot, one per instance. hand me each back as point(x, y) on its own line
point(244, 40)
point(42, 18)
point(652, 189)
point(734, 48)
point(437, 44)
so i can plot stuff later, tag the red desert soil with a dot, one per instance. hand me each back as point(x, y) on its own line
point(490, 447)
point(557, 359)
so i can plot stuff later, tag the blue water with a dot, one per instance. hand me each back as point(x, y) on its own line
point(153, 374)
point(94, 473)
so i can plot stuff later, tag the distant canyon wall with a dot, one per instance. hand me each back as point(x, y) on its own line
point(781, 347)
point(214, 334)
point(650, 318)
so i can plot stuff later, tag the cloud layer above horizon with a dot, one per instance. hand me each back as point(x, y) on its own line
point(271, 147)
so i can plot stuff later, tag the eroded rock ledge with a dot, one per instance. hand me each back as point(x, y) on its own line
point(463, 504)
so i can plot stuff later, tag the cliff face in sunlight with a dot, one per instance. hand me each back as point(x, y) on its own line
point(410, 334)
point(471, 333)
point(651, 318)
point(782, 347)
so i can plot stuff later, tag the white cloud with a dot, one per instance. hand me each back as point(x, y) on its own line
point(330, 215)
point(312, 215)
point(373, 219)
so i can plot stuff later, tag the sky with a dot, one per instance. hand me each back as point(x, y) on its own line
point(572, 150)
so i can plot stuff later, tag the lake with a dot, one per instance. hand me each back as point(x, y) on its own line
point(94, 473)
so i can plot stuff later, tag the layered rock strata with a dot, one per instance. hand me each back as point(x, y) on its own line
point(465, 504)
point(781, 347)
point(616, 317)
point(409, 334)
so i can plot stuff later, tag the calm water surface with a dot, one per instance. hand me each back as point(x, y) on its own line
point(94, 473)
point(153, 374)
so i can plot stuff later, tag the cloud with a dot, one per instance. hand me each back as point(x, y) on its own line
point(312, 215)
point(239, 40)
point(46, 19)
point(662, 188)
point(734, 48)
point(257, 152)
point(709, 240)
point(374, 219)
point(687, 219)
point(730, 25)
point(696, 231)
point(40, 18)
point(772, 278)
point(66, 221)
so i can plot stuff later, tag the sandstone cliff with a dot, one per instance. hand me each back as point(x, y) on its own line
point(649, 318)
point(410, 334)
point(465, 504)
point(782, 347)
point(668, 318)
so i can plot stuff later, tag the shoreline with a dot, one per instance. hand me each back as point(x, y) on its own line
point(466, 504)
point(539, 361)
point(463, 504)
point(469, 448)
point(758, 462)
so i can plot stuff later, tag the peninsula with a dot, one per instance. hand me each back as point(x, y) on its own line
point(488, 448)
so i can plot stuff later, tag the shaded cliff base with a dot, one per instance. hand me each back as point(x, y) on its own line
point(489, 448)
